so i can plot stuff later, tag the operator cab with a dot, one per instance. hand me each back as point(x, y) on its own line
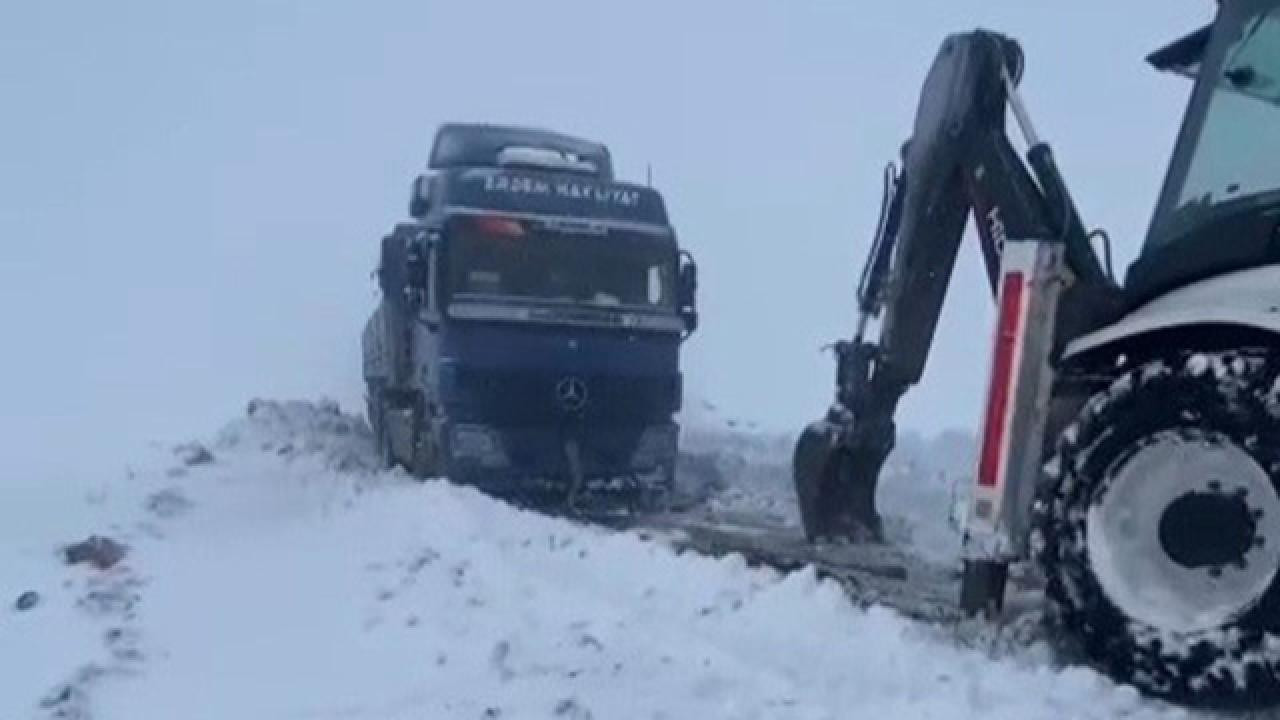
point(1219, 210)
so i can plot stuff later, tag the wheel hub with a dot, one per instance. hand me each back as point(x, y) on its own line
point(1185, 533)
point(1208, 530)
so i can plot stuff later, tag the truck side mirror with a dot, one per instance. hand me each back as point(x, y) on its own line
point(402, 270)
point(687, 291)
point(417, 265)
point(425, 274)
point(419, 197)
point(393, 276)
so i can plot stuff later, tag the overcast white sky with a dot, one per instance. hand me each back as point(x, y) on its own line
point(191, 194)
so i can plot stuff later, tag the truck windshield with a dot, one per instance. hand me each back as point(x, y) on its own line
point(499, 257)
point(1232, 157)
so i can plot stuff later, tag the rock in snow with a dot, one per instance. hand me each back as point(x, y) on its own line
point(99, 552)
point(306, 583)
point(26, 601)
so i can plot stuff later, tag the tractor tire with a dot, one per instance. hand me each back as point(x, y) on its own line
point(1157, 528)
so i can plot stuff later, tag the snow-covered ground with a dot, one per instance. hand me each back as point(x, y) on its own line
point(282, 576)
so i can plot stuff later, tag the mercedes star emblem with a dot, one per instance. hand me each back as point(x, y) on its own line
point(572, 393)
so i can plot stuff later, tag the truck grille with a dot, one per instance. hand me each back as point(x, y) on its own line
point(537, 397)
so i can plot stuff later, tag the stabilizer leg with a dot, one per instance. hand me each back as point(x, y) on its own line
point(982, 587)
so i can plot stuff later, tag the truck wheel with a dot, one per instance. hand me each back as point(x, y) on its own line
point(374, 409)
point(426, 455)
point(386, 452)
point(1158, 528)
point(658, 495)
point(387, 459)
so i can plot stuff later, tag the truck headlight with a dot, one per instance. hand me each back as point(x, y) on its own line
point(476, 442)
point(657, 445)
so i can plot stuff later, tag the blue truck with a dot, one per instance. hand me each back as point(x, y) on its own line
point(531, 316)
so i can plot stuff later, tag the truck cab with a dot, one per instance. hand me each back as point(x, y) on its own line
point(531, 318)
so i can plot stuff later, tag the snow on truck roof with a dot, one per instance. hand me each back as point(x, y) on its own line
point(481, 145)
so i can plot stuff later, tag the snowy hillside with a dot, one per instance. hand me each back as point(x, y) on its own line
point(273, 573)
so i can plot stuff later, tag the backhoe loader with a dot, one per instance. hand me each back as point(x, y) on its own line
point(1130, 441)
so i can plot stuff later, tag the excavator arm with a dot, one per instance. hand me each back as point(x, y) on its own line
point(958, 163)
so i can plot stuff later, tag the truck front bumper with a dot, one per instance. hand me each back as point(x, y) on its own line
point(519, 454)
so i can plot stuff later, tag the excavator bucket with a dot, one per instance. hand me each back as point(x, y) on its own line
point(814, 456)
point(836, 502)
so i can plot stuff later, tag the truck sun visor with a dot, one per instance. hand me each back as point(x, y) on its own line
point(500, 226)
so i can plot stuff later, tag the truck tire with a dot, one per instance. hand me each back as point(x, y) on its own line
point(426, 452)
point(376, 410)
point(658, 496)
point(1158, 528)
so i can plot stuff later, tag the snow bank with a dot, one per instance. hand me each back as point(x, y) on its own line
point(285, 578)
